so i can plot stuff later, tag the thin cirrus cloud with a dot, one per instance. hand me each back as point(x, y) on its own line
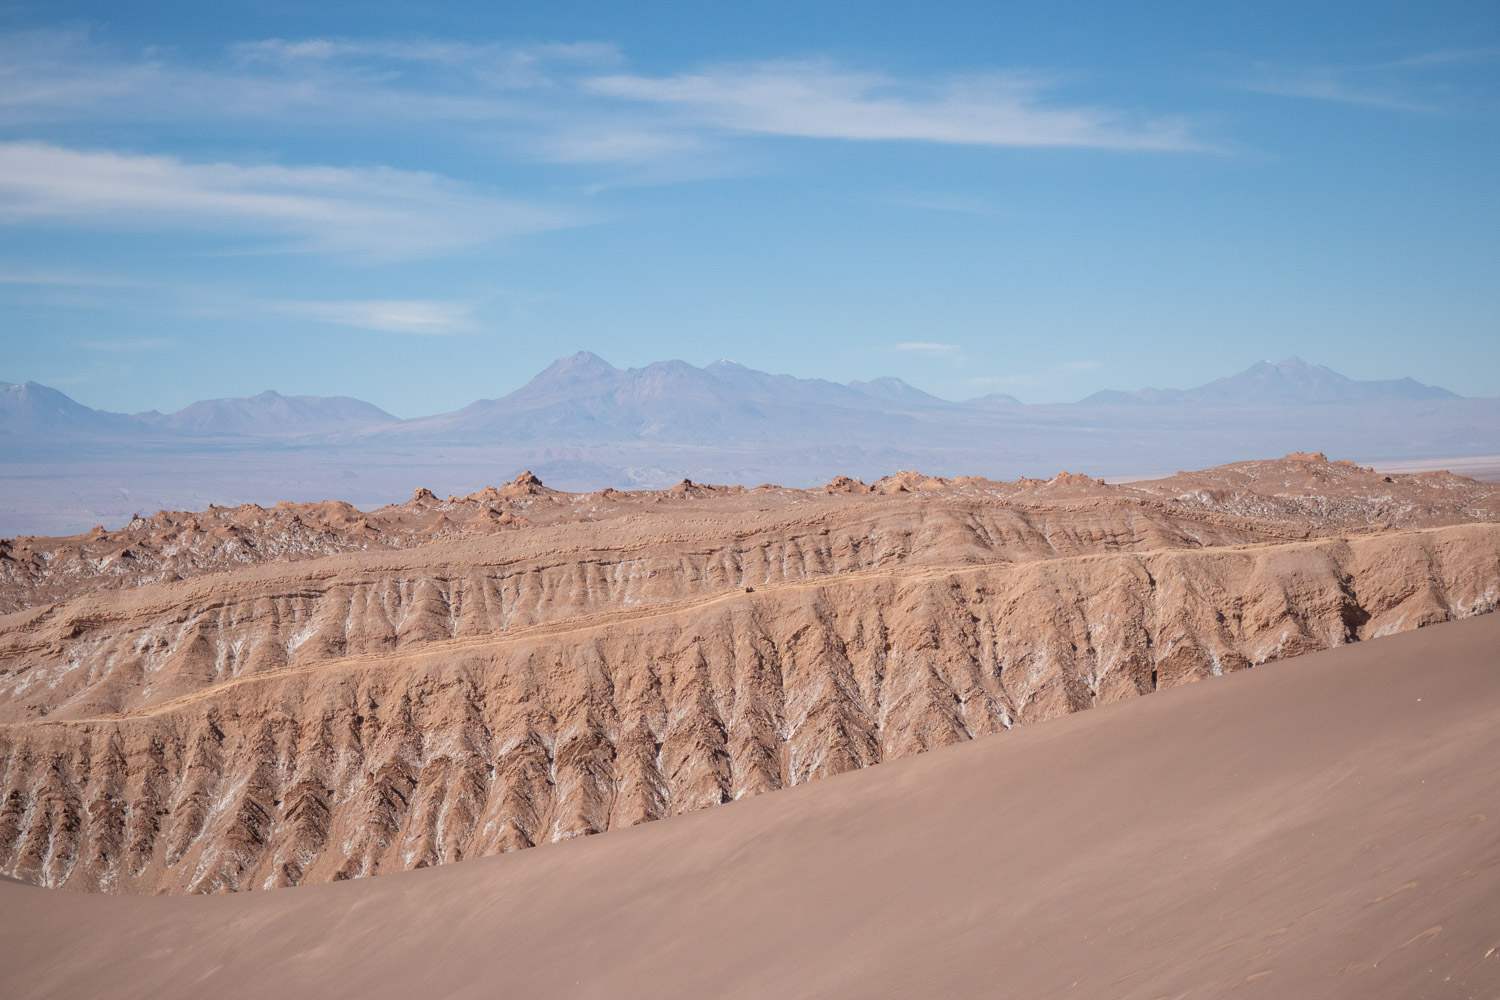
point(517, 101)
point(937, 201)
point(1336, 86)
point(376, 211)
point(47, 276)
point(495, 56)
point(423, 317)
point(56, 76)
point(130, 345)
point(47, 75)
point(821, 100)
point(1392, 85)
point(573, 102)
point(927, 347)
point(568, 103)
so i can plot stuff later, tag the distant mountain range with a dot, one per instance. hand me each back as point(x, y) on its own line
point(1292, 382)
point(583, 397)
point(584, 424)
point(33, 413)
point(271, 414)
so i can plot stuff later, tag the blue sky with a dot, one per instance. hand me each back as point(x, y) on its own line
point(423, 204)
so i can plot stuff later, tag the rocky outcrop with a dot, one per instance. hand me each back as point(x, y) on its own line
point(610, 659)
point(1298, 496)
point(348, 766)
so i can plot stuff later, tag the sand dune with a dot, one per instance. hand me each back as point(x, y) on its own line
point(1328, 826)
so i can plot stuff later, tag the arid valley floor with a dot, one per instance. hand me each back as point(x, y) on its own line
point(256, 698)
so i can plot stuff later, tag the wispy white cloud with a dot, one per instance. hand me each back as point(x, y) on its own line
point(376, 211)
point(1445, 57)
point(130, 345)
point(50, 76)
point(1400, 84)
point(938, 201)
point(503, 63)
point(927, 347)
point(824, 101)
point(609, 142)
point(415, 316)
point(1334, 86)
point(56, 276)
point(570, 102)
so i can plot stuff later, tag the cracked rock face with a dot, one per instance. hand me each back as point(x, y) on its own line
point(316, 693)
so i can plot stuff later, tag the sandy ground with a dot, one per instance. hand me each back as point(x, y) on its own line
point(1328, 826)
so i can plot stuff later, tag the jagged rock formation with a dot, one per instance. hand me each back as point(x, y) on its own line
point(447, 679)
point(1296, 497)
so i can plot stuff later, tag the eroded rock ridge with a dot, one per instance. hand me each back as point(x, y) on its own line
point(254, 697)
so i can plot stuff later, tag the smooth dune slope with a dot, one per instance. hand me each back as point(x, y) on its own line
point(1326, 826)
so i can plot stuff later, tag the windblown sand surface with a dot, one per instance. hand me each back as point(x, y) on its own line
point(1328, 826)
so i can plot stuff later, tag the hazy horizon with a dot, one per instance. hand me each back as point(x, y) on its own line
point(455, 403)
point(583, 425)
